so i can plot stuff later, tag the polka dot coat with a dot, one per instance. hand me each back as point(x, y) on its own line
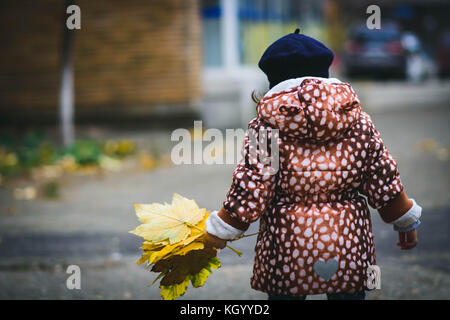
point(312, 207)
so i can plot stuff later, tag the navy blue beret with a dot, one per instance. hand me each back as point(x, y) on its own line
point(293, 56)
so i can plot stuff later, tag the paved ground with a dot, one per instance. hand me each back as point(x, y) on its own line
point(88, 225)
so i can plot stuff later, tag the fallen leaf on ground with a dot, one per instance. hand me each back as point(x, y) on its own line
point(146, 161)
point(26, 193)
point(427, 145)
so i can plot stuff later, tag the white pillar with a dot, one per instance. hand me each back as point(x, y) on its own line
point(229, 25)
point(66, 92)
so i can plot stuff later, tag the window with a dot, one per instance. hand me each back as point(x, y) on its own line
point(212, 36)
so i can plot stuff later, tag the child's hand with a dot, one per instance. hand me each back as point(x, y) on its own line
point(213, 241)
point(407, 240)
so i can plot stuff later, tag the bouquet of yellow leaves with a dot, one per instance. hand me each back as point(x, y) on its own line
point(174, 244)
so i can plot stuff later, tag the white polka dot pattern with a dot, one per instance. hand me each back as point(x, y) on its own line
point(312, 208)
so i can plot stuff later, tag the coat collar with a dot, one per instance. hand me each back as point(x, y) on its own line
point(291, 83)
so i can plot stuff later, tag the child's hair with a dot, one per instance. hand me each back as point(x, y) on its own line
point(256, 96)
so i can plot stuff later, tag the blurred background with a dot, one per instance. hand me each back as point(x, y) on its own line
point(87, 117)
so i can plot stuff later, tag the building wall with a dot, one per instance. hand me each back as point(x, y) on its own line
point(128, 54)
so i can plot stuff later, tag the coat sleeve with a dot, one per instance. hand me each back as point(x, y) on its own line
point(254, 179)
point(381, 179)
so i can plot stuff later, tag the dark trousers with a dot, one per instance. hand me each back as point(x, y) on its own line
point(331, 296)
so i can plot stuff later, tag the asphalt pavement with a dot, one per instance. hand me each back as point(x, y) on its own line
point(88, 226)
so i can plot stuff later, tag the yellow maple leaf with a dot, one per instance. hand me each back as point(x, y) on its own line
point(174, 291)
point(168, 251)
point(155, 251)
point(152, 246)
point(173, 222)
point(188, 248)
point(174, 244)
point(200, 278)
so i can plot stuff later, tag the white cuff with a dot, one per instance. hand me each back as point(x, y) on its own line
point(219, 228)
point(410, 217)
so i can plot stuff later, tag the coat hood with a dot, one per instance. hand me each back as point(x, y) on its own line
point(313, 108)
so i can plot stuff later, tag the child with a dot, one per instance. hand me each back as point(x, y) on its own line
point(312, 208)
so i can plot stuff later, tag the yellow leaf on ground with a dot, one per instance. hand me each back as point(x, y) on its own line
point(146, 161)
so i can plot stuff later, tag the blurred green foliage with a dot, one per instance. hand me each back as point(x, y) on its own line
point(51, 190)
point(85, 152)
point(19, 155)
